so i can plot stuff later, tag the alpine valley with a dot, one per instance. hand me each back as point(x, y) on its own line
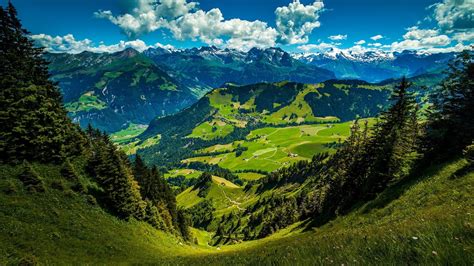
point(221, 156)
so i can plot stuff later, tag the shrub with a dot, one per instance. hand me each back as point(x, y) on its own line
point(68, 171)
point(10, 188)
point(58, 185)
point(31, 179)
point(28, 260)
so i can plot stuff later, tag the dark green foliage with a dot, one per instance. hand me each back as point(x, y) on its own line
point(202, 214)
point(31, 179)
point(203, 184)
point(58, 185)
point(160, 198)
point(347, 104)
point(153, 215)
point(451, 121)
point(366, 165)
point(34, 122)
point(184, 221)
point(68, 171)
point(111, 170)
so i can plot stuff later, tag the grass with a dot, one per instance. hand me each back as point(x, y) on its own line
point(131, 147)
point(88, 101)
point(249, 176)
point(188, 173)
point(271, 148)
point(427, 220)
point(211, 130)
point(125, 135)
point(225, 195)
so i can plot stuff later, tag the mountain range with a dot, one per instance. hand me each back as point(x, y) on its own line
point(113, 90)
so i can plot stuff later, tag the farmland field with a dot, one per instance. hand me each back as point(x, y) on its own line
point(271, 148)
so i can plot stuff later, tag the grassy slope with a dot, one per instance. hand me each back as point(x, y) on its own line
point(271, 148)
point(427, 221)
point(424, 221)
point(226, 196)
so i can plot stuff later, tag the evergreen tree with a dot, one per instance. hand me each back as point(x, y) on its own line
point(115, 177)
point(34, 122)
point(451, 121)
point(392, 148)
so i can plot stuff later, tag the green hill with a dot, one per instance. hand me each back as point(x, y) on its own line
point(228, 115)
point(427, 220)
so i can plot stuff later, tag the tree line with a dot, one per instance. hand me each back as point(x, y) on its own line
point(35, 128)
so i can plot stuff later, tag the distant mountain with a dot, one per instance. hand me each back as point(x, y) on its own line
point(211, 67)
point(375, 66)
point(110, 91)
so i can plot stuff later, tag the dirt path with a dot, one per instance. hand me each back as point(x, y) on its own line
point(234, 203)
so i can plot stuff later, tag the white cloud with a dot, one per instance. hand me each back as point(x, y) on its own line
point(454, 15)
point(360, 42)
point(69, 44)
point(421, 39)
point(464, 36)
point(338, 37)
point(414, 33)
point(321, 47)
point(376, 37)
point(296, 21)
point(146, 16)
point(211, 28)
point(376, 44)
point(186, 21)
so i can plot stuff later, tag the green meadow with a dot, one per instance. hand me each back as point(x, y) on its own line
point(271, 148)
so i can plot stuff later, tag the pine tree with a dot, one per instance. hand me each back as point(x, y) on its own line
point(34, 122)
point(115, 177)
point(451, 121)
point(392, 148)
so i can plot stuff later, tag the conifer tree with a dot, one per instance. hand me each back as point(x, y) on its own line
point(34, 124)
point(451, 122)
point(392, 148)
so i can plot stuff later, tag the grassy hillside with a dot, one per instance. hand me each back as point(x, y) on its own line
point(271, 148)
point(229, 114)
point(427, 220)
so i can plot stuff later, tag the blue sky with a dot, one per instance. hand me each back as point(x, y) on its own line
point(297, 26)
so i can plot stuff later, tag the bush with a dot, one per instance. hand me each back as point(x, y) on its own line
point(10, 188)
point(469, 153)
point(91, 200)
point(79, 187)
point(28, 260)
point(31, 179)
point(58, 185)
point(68, 171)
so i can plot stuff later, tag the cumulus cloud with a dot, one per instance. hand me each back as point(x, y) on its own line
point(147, 15)
point(338, 37)
point(453, 15)
point(69, 44)
point(464, 36)
point(360, 42)
point(296, 21)
point(211, 28)
point(186, 21)
point(376, 37)
point(417, 39)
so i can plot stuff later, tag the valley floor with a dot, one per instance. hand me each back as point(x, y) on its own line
point(427, 220)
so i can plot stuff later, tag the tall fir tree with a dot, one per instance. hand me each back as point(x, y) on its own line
point(450, 126)
point(392, 148)
point(34, 124)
